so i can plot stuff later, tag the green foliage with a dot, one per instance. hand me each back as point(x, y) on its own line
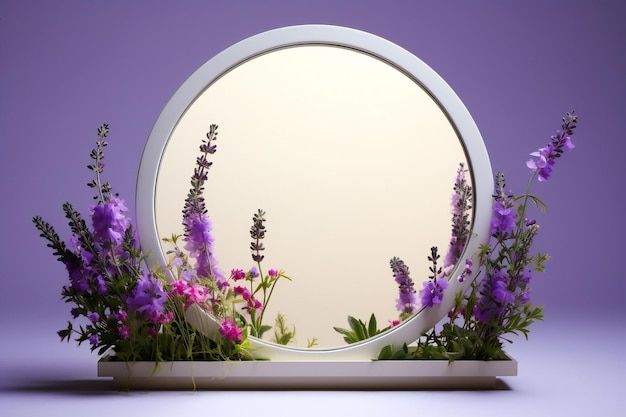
point(283, 335)
point(359, 330)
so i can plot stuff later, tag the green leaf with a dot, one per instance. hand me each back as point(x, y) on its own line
point(386, 352)
point(359, 328)
point(372, 329)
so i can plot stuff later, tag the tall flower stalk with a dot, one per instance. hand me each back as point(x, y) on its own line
point(498, 304)
point(120, 304)
point(197, 224)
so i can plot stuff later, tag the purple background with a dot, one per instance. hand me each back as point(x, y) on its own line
point(68, 66)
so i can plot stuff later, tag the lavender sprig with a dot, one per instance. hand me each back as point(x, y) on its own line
point(544, 159)
point(406, 302)
point(461, 206)
point(432, 293)
point(196, 222)
point(97, 155)
point(257, 233)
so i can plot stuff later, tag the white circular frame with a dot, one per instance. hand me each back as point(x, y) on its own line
point(458, 115)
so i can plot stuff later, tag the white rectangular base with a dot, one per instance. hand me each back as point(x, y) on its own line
point(317, 375)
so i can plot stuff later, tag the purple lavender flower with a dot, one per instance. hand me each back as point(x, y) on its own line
point(148, 297)
point(109, 221)
point(254, 272)
point(467, 270)
point(199, 243)
point(503, 220)
point(94, 339)
point(432, 293)
point(542, 161)
point(197, 225)
point(406, 302)
point(461, 204)
point(93, 316)
point(494, 296)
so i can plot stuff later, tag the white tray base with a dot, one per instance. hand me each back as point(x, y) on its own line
point(317, 375)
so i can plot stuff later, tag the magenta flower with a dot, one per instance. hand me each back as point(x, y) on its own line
point(237, 274)
point(243, 291)
point(124, 331)
point(272, 273)
point(230, 331)
point(120, 316)
point(191, 293)
point(109, 221)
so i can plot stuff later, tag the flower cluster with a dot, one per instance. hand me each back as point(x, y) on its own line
point(498, 304)
point(126, 306)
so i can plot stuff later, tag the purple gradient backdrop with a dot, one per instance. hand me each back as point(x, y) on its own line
point(68, 66)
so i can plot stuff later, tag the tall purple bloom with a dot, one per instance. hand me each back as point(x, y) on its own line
point(199, 243)
point(495, 296)
point(109, 221)
point(148, 297)
point(196, 222)
point(544, 159)
point(461, 205)
point(503, 220)
point(432, 293)
point(504, 214)
point(406, 301)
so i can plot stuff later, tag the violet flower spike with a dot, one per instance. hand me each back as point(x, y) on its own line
point(461, 205)
point(406, 301)
point(433, 290)
point(542, 161)
point(196, 222)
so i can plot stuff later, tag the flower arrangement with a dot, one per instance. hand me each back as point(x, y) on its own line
point(498, 304)
point(133, 309)
point(126, 306)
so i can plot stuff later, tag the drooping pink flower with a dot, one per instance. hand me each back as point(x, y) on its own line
point(230, 331)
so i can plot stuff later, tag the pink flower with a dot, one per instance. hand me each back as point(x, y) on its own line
point(120, 316)
point(272, 273)
point(237, 274)
point(192, 294)
point(243, 291)
point(124, 331)
point(230, 331)
point(254, 303)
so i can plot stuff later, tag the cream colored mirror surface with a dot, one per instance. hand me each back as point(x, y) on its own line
point(350, 144)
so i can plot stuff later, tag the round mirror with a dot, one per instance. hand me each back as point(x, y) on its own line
point(351, 146)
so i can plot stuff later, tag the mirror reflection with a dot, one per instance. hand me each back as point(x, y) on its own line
point(353, 164)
